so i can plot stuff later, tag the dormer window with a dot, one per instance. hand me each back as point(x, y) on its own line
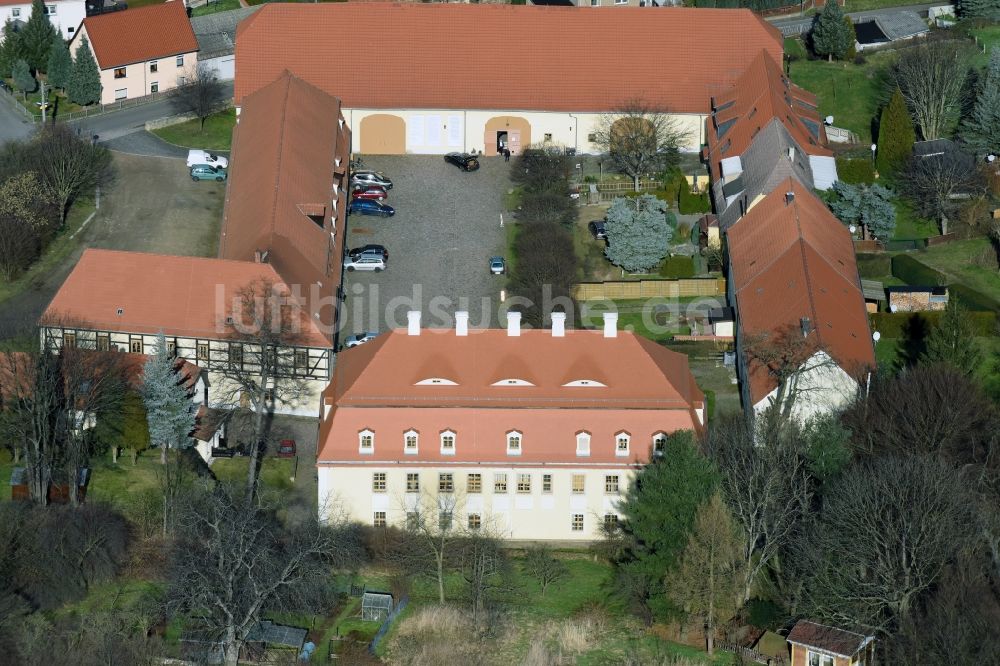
point(583, 443)
point(513, 443)
point(447, 443)
point(366, 442)
point(659, 444)
point(621, 444)
point(513, 381)
point(410, 442)
point(584, 382)
point(436, 381)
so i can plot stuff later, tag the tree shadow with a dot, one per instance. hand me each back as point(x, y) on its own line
point(913, 342)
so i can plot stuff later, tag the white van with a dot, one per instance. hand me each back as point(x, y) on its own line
point(205, 157)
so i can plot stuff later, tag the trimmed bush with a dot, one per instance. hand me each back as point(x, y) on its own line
point(856, 171)
point(677, 267)
point(974, 300)
point(690, 203)
point(874, 265)
point(892, 325)
point(917, 273)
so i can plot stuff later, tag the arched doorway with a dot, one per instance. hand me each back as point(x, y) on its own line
point(383, 134)
point(511, 131)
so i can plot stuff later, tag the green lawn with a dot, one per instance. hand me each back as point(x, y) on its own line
point(956, 260)
point(987, 37)
point(59, 102)
point(848, 92)
point(54, 255)
point(132, 4)
point(217, 134)
point(909, 224)
point(215, 6)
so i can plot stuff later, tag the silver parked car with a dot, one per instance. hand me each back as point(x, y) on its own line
point(365, 262)
point(359, 339)
point(361, 179)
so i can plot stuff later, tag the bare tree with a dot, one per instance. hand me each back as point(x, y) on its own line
point(230, 565)
point(202, 96)
point(486, 570)
point(940, 184)
point(434, 535)
point(766, 486)
point(543, 566)
point(68, 165)
point(932, 78)
point(887, 531)
point(259, 372)
point(641, 139)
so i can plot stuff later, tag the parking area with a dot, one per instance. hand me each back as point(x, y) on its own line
point(446, 228)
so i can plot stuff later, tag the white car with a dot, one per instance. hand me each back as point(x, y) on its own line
point(365, 262)
point(359, 339)
point(205, 157)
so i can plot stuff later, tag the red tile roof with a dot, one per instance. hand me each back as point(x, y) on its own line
point(156, 292)
point(829, 639)
point(141, 34)
point(794, 260)
point(472, 56)
point(647, 389)
point(760, 95)
point(282, 164)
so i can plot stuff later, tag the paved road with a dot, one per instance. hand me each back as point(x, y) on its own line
point(13, 125)
point(796, 25)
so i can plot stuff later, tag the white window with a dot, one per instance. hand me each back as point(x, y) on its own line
point(15, 12)
point(500, 482)
point(154, 87)
point(411, 438)
point(659, 443)
point(154, 66)
point(378, 520)
point(546, 483)
point(475, 521)
point(474, 484)
point(577, 523)
point(71, 30)
point(121, 93)
point(579, 484)
point(181, 80)
point(817, 659)
point(513, 443)
point(50, 10)
point(524, 484)
point(447, 443)
point(446, 482)
point(366, 441)
point(180, 61)
point(621, 444)
point(512, 381)
point(412, 482)
point(583, 443)
point(378, 482)
point(611, 484)
point(621, 2)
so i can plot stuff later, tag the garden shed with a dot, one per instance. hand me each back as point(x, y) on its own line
point(376, 606)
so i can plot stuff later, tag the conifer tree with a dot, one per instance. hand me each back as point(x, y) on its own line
point(60, 65)
point(982, 130)
point(895, 135)
point(36, 38)
point(830, 35)
point(84, 86)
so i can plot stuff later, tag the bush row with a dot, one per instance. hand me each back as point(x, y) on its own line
point(915, 272)
point(677, 267)
point(893, 325)
point(855, 170)
point(874, 265)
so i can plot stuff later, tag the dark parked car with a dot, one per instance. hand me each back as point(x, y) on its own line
point(369, 249)
point(463, 161)
point(598, 230)
point(286, 449)
point(373, 192)
point(369, 207)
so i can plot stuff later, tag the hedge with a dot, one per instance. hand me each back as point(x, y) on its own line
point(974, 300)
point(855, 170)
point(891, 325)
point(689, 203)
point(677, 267)
point(916, 273)
point(874, 265)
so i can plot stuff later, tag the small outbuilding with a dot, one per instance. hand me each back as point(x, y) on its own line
point(815, 644)
point(917, 299)
point(376, 606)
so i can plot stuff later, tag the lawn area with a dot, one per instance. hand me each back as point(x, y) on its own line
point(848, 92)
point(55, 254)
point(638, 316)
point(132, 4)
point(213, 6)
point(887, 352)
point(909, 224)
point(956, 260)
point(217, 134)
point(987, 37)
point(59, 102)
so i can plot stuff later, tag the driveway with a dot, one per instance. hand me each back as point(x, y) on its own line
point(446, 227)
point(153, 206)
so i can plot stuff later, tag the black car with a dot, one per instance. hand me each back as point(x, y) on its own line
point(370, 249)
point(463, 161)
point(598, 230)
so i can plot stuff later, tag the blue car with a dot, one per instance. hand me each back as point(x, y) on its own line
point(369, 207)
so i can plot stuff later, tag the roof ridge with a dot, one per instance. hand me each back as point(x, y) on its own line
point(805, 261)
point(280, 153)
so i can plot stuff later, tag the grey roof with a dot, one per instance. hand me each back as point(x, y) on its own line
point(216, 33)
point(900, 25)
point(268, 632)
point(873, 290)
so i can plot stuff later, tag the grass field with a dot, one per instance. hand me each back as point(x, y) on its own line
point(987, 37)
point(957, 261)
point(213, 6)
point(909, 224)
point(217, 134)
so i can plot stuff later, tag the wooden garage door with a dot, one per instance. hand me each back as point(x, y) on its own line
point(383, 134)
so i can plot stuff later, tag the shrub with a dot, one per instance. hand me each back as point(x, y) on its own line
point(874, 265)
point(914, 272)
point(973, 300)
point(855, 170)
point(691, 203)
point(894, 324)
point(677, 267)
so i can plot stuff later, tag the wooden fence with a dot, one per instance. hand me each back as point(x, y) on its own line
point(623, 290)
point(750, 653)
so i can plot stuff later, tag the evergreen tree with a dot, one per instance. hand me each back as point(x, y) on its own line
point(953, 341)
point(895, 135)
point(852, 39)
point(982, 130)
point(84, 86)
point(23, 79)
point(988, 9)
point(60, 64)
point(830, 35)
point(658, 512)
point(168, 407)
point(9, 50)
point(867, 206)
point(36, 38)
point(639, 232)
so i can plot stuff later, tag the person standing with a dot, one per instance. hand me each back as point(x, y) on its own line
point(506, 154)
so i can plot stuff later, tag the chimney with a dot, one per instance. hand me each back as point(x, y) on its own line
point(789, 197)
point(806, 325)
point(558, 324)
point(462, 323)
point(513, 324)
point(611, 324)
point(413, 322)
